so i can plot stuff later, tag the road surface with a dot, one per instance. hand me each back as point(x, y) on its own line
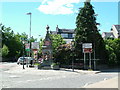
point(13, 76)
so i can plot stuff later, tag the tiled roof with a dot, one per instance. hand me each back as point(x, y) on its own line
point(66, 30)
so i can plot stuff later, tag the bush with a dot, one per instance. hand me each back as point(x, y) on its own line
point(5, 51)
point(54, 64)
point(113, 51)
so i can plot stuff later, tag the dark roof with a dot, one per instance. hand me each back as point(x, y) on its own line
point(53, 32)
point(66, 30)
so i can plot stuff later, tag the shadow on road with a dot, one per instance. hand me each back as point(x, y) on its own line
point(115, 70)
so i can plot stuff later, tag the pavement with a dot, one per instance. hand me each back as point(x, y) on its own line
point(19, 69)
point(110, 83)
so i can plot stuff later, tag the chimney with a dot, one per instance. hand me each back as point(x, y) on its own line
point(87, 0)
point(57, 28)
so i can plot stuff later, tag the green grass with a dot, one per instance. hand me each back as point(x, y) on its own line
point(36, 63)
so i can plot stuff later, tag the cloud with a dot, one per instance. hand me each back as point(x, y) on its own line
point(52, 0)
point(57, 6)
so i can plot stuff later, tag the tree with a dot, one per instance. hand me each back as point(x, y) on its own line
point(113, 51)
point(41, 44)
point(57, 40)
point(87, 32)
point(13, 41)
point(64, 54)
point(5, 50)
point(32, 39)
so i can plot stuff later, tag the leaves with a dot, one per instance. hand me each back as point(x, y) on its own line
point(12, 42)
point(57, 40)
point(5, 51)
point(87, 32)
point(113, 51)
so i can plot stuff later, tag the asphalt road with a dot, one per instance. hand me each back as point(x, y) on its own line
point(13, 76)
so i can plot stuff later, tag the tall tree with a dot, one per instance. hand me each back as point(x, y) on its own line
point(86, 30)
point(11, 41)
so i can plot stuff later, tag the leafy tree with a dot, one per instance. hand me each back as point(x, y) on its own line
point(40, 45)
point(23, 36)
point(113, 51)
point(32, 39)
point(87, 32)
point(57, 40)
point(13, 41)
point(5, 50)
point(63, 54)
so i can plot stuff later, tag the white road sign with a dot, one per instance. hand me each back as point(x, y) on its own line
point(87, 45)
point(35, 45)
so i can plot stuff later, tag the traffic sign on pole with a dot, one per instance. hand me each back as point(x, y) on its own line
point(87, 45)
point(87, 50)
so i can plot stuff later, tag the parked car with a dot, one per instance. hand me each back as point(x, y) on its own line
point(27, 60)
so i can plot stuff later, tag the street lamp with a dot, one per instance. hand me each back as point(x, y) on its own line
point(30, 32)
point(23, 41)
point(72, 44)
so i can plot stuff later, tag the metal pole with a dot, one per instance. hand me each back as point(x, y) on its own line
point(84, 61)
point(23, 56)
point(73, 63)
point(94, 51)
point(90, 60)
point(30, 34)
point(94, 64)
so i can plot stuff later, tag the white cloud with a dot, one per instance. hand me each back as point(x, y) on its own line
point(57, 6)
point(52, 0)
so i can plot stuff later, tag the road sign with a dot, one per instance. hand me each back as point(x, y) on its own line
point(87, 45)
point(87, 50)
point(27, 49)
point(27, 46)
point(35, 45)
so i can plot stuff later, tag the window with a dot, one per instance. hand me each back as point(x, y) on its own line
point(70, 35)
point(64, 35)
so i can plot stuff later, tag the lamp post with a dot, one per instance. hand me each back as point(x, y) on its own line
point(23, 41)
point(72, 44)
point(30, 32)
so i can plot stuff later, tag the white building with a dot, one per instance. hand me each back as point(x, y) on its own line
point(67, 34)
point(114, 33)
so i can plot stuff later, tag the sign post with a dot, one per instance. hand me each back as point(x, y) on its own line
point(35, 47)
point(87, 48)
point(84, 61)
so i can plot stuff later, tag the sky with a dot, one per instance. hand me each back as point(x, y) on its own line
point(53, 12)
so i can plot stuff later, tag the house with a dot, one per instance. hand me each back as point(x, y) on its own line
point(116, 30)
point(67, 34)
point(114, 33)
point(106, 35)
